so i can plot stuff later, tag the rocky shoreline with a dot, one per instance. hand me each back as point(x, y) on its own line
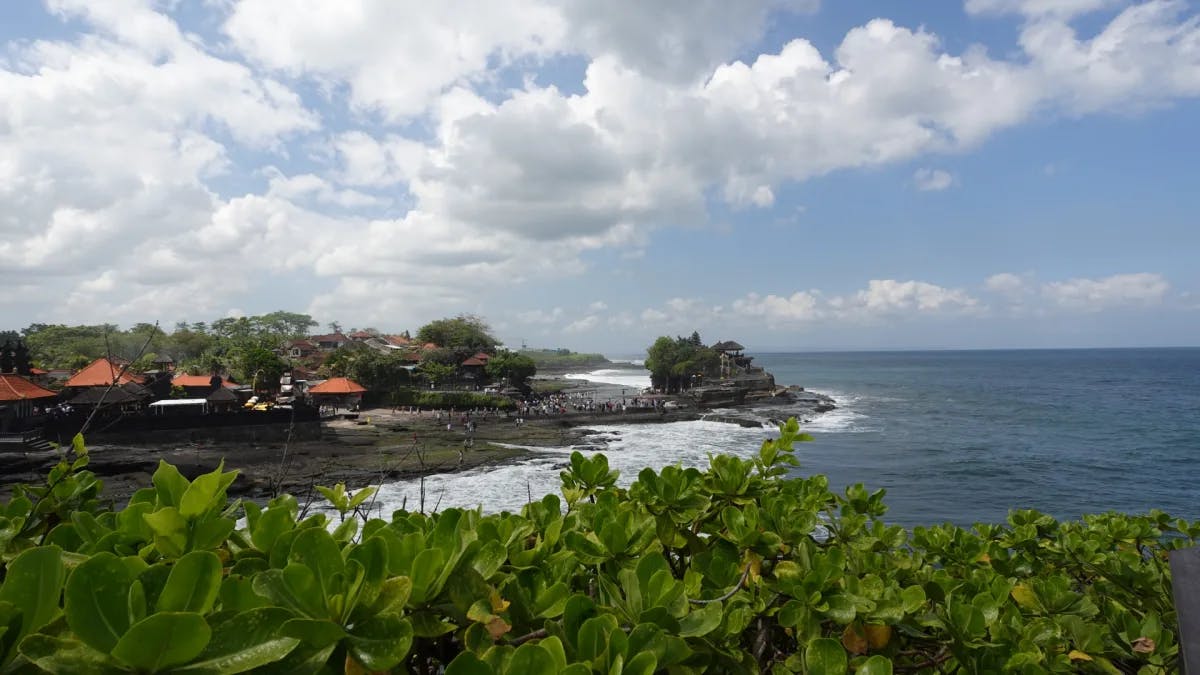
point(381, 445)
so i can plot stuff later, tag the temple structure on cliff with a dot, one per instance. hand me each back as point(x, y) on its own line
point(734, 361)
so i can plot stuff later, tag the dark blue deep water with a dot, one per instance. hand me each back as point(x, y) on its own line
point(966, 436)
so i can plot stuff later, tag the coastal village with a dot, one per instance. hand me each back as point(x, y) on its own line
point(337, 397)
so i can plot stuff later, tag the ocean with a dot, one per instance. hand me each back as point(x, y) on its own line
point(953, 436)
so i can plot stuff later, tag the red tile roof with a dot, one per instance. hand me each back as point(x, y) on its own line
point(483, 356)
point(474, 361)
point(338, 385)
point(100, 373)
point(182, 380)
point(332, 337)
point(398, 340)
point(37, 371)
point(17, 388)
point(361, 335)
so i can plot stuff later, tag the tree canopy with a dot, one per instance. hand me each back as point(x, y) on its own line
point(675, 363)
point(514, 368)
point(372, 369)
point(463, 333)
point(223, 344)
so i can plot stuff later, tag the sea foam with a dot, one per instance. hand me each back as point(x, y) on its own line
point(622, 377)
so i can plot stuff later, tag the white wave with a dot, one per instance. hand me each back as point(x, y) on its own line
point(630, 448)
point(622, 377)
point(632, 362)
point(846, 418)
point(495, 488)
point(843, 420)
point(509, 487)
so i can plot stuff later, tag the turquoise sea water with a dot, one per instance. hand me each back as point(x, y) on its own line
point(966, 436)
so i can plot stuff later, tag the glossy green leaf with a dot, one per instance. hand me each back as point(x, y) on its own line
point(170, 485)
point(393, 596)
point(701, 621)
point(97, 601)
point(64, 656)
point(163, 640)
point(876, 665)
point(170, 531)
point(303, 660)
point(193, 584)
point(427, 567)
point(912, 597)
point(211, 531)
point(361, 497)
point(531, 659)
point(467, 663)
point(641, 664)
point(313, 632)
point(316, 549)
point(294, 587)
point(244, 642)
point(271, 524)
point(33, 583)
point(380, 643)
point(206, 493)
point(372, 556)
point(489, 558)
point(825, 656)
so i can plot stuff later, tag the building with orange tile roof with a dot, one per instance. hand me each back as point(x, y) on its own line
point(197, 385)
point(183, 380)
point(338, 385)
point(101, 373)
point(14, 387)
point(19, 399)
point(339, 392)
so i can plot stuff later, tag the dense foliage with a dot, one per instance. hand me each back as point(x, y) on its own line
point(677, 363)
point(375, 370)
point(734, 569)
point(511, 367)
point(463, 333)
point(240, 346)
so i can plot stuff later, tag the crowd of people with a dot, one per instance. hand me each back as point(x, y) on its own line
point(549, 405)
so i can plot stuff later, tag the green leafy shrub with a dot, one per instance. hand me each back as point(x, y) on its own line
point(734, 569)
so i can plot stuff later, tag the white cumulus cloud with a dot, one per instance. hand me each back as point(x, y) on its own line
point(1118, 290)
point(776, 309)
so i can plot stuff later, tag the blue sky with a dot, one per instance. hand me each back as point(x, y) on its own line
point(792, 174)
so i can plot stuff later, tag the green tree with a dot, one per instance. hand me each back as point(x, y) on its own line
point(285, 325)
point(259, 365)
point(434, 372)
point(674, 364)
point(463, 333)
point(186, 344)
point(444, 356)
point(514, 368)
point(372, 369)
point(59, 346)
point(233, 328)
